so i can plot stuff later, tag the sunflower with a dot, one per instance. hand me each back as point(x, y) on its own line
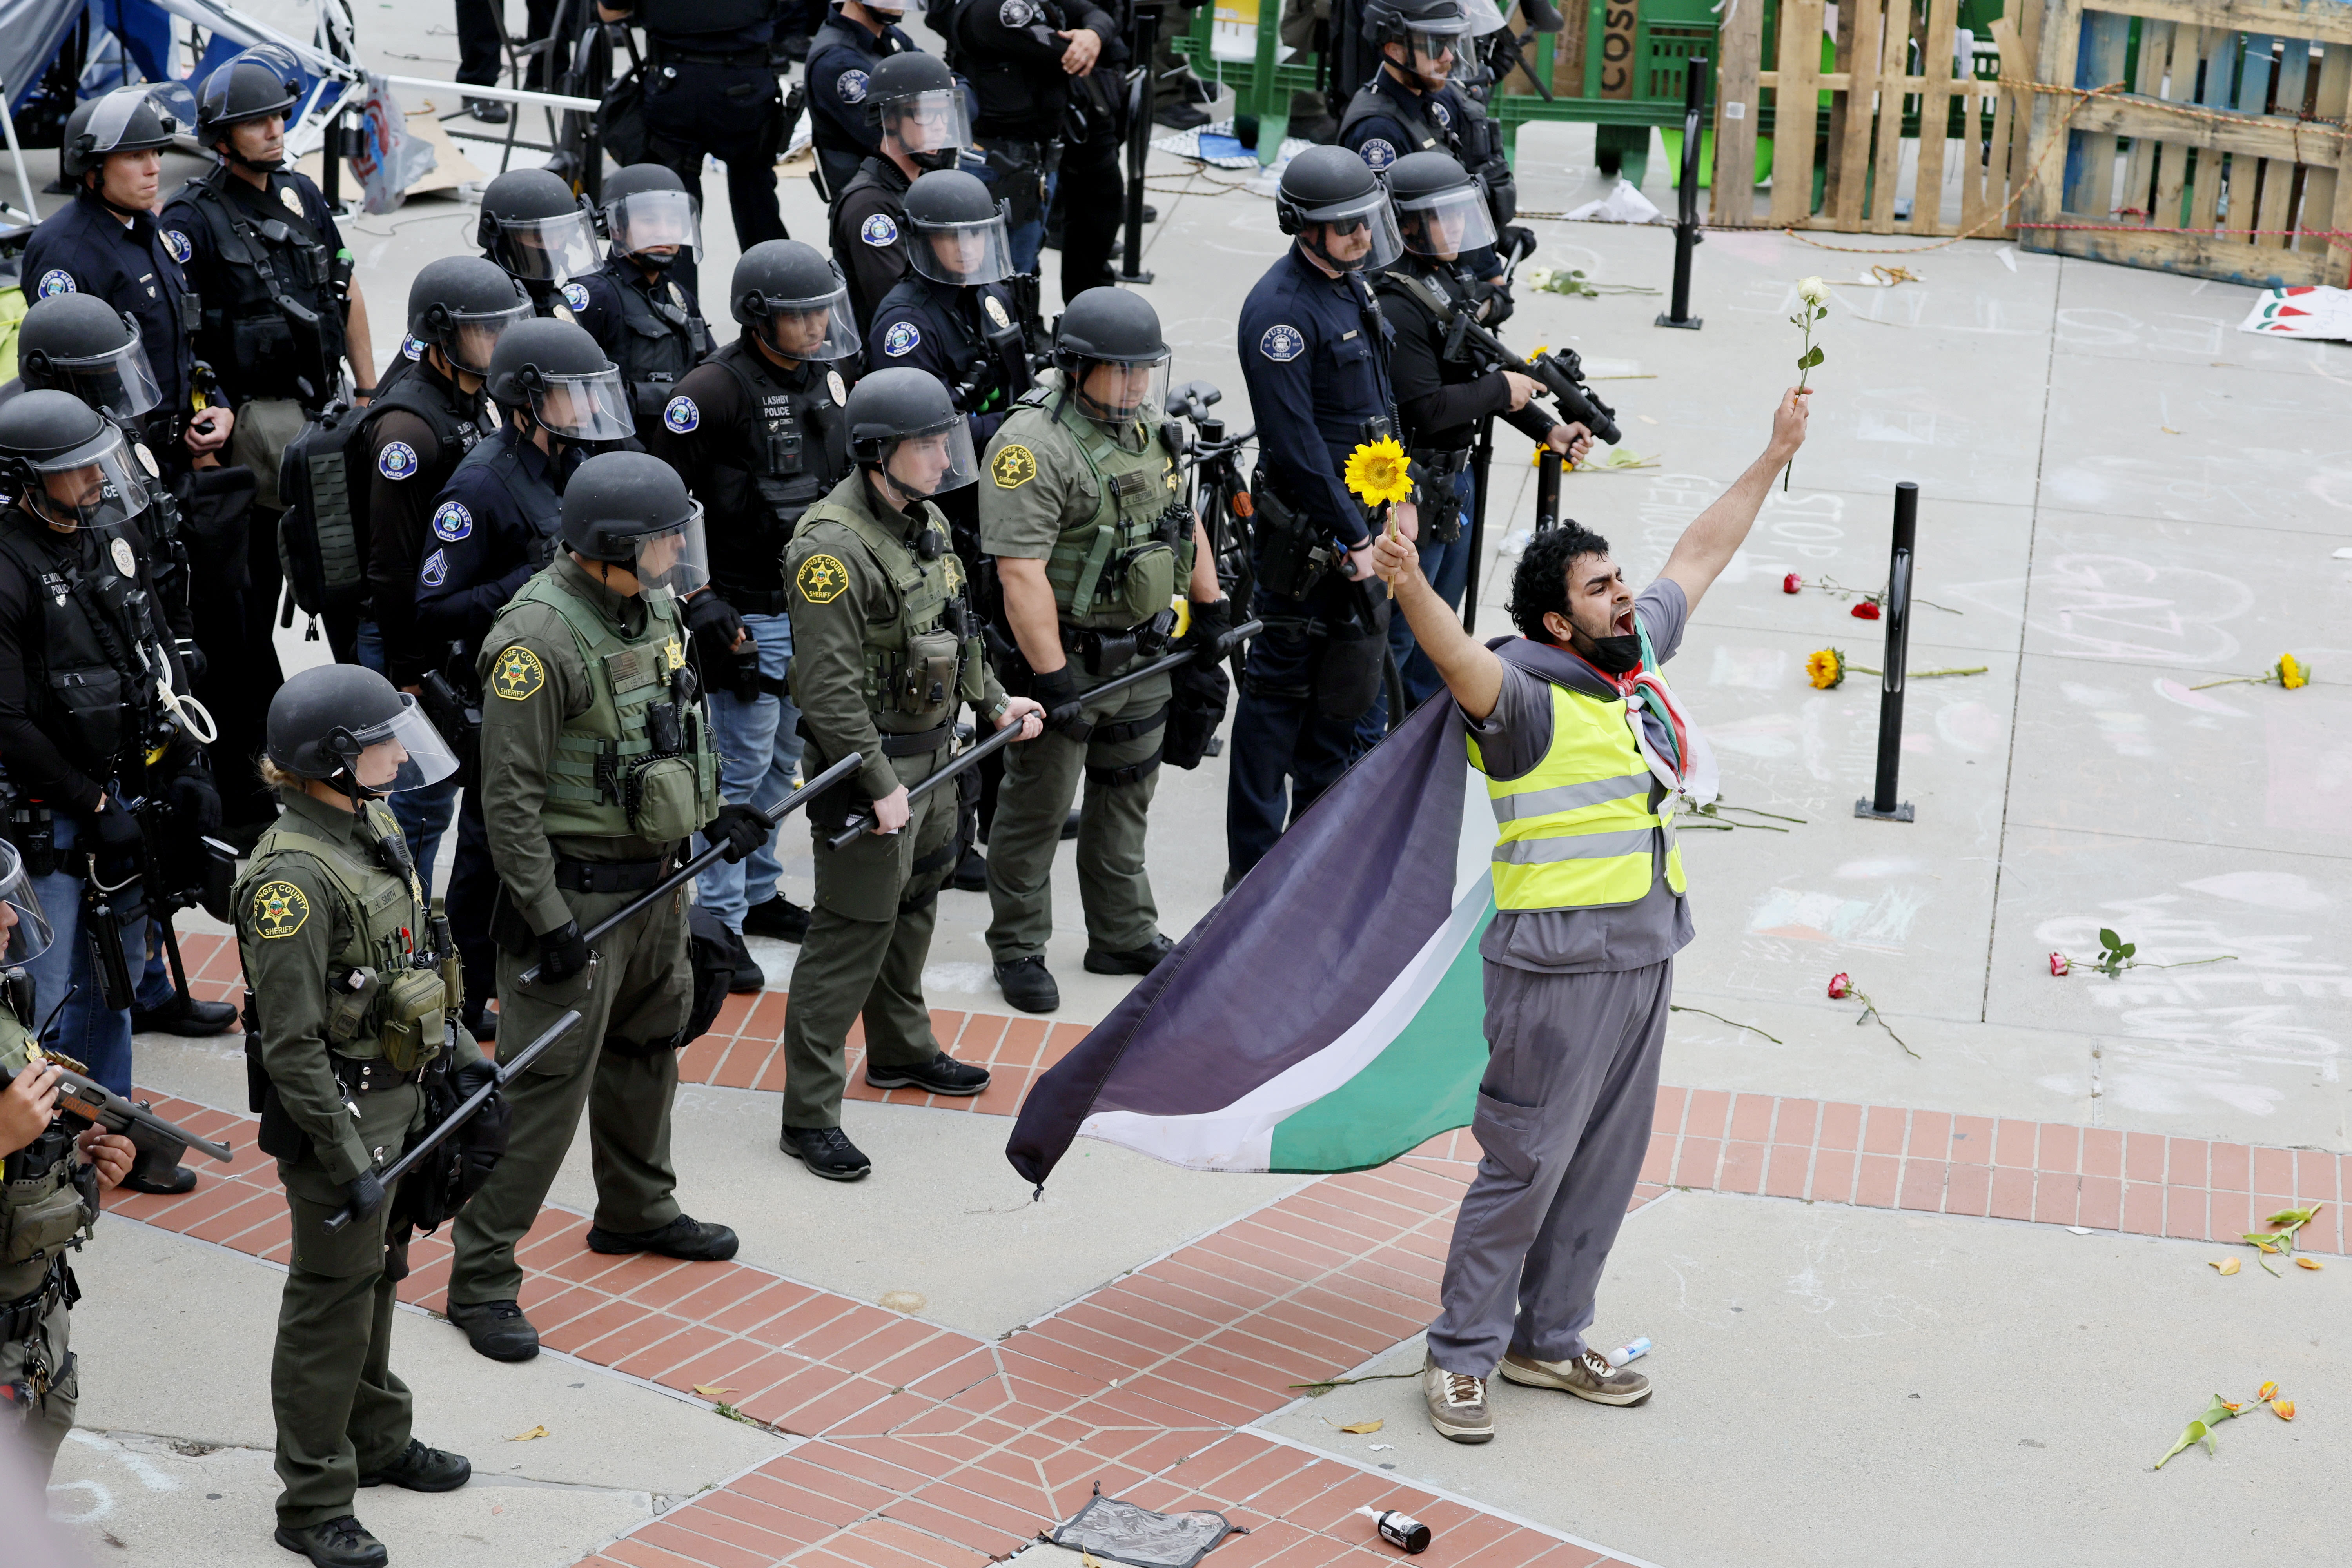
point(1379, 472)
point(2290, 674)
point(1824, 668)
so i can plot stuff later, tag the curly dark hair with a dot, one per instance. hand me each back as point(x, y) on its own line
point(1539, 582)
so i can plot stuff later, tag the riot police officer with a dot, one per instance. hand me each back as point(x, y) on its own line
point(1087, 459)
point(593, 728)
point(757, 429)
point(1410, 106)
point(93, 721)
point(710, 91)
point(645, 318)
point(351, 1002)
point(842, 58)
point(886, 645)
point(950, 315)
point(50, 1178)
point(1446, 221)
point(543, 236)
point(919, 123)
point(1314, 354)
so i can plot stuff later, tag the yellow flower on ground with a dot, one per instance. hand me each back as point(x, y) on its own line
point(2290, 674)
point(1379, 472)
point(1824, 668)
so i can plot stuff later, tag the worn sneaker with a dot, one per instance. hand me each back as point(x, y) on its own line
point(495, 1329)
point(335, 1543)
point(941, 1075)
point(826, 1152)
point(1457, 1403)
point(687, 1239)
point(1589, 1376)
point(422, 1470)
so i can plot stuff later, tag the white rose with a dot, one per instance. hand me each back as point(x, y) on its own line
point(1812, 290)
point(1540, 277)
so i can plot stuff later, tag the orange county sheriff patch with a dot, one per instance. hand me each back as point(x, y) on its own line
point(1013, 466)
point(821, 579)
point(518, 675)
point(278, 909)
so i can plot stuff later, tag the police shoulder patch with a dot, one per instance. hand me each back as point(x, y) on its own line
point(435, 570)
point(518, 675)
point(821, 579)
point(1378, 152)
point(1439, 112)
point(410, 348)
point(852, 85)
point(878, 230)
point(901, 340)
point(397, 461)
point(58, 280)
point(278, 909)
point(679, 416)
point(453, 522)
point(177, 244)
point(576, 296)
point(1282, 343)
point(1013, 467)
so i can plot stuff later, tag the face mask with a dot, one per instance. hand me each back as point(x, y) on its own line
point(1616, 655)
point(654, 260)
point(936, 160)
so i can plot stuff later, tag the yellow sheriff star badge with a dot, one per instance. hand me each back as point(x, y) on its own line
point(1013, 466)
point(278, 909)
point(821, 579)
point(674, 655)
point(518, 675)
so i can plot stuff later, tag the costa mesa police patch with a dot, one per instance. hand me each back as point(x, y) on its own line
point(278, 909)
point(518, 675)
point(1282, 344)
point(679, 416)
point(410, 348)
point(1439, 112)
point(453, 522)
point(435, 570)
point(397, 461)
point(177, 244)
point(878, 230)
point(58, 280)
point(1378, 151)
point(1013, 466)
point(821, 579)
point(576, 296)
point(901, 340)
point(853, 87)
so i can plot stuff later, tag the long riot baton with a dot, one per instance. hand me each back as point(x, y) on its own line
point(863, 822)
point(1481, 459)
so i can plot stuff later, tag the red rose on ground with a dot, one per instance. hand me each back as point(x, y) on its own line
point(1792, 583)
point(2059, 964)
point(1839, 986)
point(1865, 611)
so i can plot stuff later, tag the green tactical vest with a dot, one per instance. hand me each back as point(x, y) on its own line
point(42, 1213)
point(1119, 569)
point(379, 1003)
point(608, 779)
point(915, 660)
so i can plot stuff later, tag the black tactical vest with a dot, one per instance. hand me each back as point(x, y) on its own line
point(792, 447)
point(541, 506)
point(87, 681)
point(271, 325)
point(437, 403)
point(675, 18)
point(1470, 135)
point(660, 338)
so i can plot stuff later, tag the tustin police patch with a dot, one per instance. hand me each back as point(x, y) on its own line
point(680, 417)
point(853, 87)
point(518, 675)
point(878, 230)
point(901, 340)
point(1378, 152)
point(453, 522)
point(278, 909)
point(821, 579)
point(1282, 344)
point(397, 461)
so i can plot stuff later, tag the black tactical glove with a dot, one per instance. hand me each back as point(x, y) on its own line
point(715, 625)
point(561, 953)
point(1517, 240)
point(366, 1191)
point(1057, 692)
point(1211, 629)
point(117, 841)
point(192, 795)
point(740, 829)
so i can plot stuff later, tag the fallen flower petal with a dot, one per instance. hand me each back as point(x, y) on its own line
point(2267, 1392)
point(1360, 1427)
point(1864, 611)
point(2310, 1263)
point(527, 1437)
point(2282, 1408)
point(2226, 1266)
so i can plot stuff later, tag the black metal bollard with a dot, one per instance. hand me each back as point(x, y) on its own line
point(1687, 233)
point(1143, 41)
point(1882, 803)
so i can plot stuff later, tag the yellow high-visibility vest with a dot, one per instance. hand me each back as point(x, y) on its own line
point(1577, 828)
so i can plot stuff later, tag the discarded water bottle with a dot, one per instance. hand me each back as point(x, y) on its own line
point(1400, 1530)
point(1626, 1352)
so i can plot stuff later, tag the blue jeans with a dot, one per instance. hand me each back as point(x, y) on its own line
point(92, 1034)
point(759, 748)
point(370, 647)
point(424, 816)
point(1447, 567)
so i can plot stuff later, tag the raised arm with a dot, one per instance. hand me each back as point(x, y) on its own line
point(1472, 673)
point(1707, 545)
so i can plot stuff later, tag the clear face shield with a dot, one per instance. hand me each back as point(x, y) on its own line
point(550, 249)
point(1431, 54)
point(1358, 236)
point(932, 462)
point(1448, 224)
point(930, 127)
point(676, 560)
point(585, 408)
point(110, 121)
point(119, 382)
point(823, 329)
point(25, 932)
point(403, 753)
point(1113, 392)
point(962, 254)
point(473, 337)
point(93, 486)
point(654, 221)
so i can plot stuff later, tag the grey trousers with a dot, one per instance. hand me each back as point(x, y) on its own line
point(1563, 1117)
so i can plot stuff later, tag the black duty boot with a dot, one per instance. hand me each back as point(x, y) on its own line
point(1028, 984)
point(335, 1543)
point(970, 872)
point(184, 1016)
point(826, 1152)
point(777, 917)
point(422, 1470)
point(488, 111)
point(749, 977)
point(181, 1180)
point(941, 1075)
point(687, 1240)
point(495, 1329)
point(1136, 960)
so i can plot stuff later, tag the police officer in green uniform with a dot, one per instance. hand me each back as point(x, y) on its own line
point(885, 645)
point(1092, 541)
point(50, 1199)
point(350, 1000)
point(600, 764)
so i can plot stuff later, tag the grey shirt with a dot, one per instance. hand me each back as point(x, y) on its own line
point(1512, 739)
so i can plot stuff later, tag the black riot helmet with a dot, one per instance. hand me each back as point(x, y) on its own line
point(793, 296)
point(915, 101)
point(127, 119)
point(1431, 32)
point(326, 720)
point(462, 305)
point(649, 216)
point(1328, 196)
point(1440, 209)
point(66, 464)
point(1115, 331)
point(905, 427)
point(79, 344)
point(631, 509)
point(554, 374)
point(254, 85)
point(959, 232)
point(533, 226)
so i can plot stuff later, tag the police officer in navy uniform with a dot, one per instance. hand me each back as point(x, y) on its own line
point(1314, 354)
point(711, 90)
point(842, 58)
point(1411, 106)
point(543, 236)
point(950, 315)
point(920, 124)
point(637, 306)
